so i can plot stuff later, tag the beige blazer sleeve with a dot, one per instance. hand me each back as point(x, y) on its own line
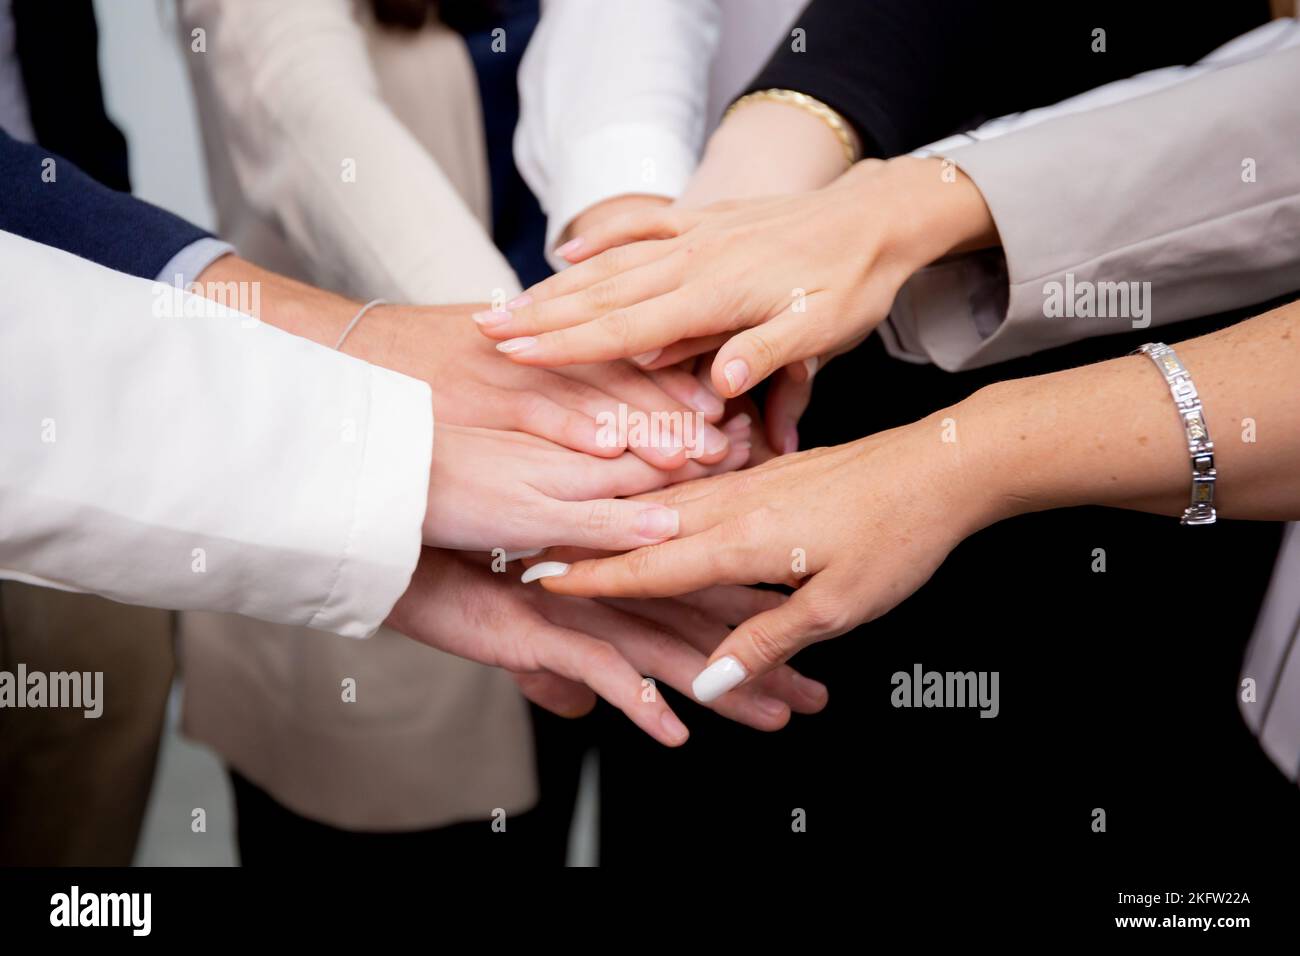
point(1178, 203)
point(315, 148)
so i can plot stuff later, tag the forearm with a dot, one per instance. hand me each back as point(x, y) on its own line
point(304, 310)
point(296, 503)
point(1109, 434)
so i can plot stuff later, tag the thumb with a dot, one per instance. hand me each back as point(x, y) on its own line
point(754, 354)
point(769, 639)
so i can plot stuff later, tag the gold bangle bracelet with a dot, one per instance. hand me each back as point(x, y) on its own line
point(808, 104)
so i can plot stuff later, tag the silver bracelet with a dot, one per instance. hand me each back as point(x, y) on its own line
point(1199, 446)
point(357, 318)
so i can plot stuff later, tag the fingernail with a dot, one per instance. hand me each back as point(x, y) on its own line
point(510, 346)
point(544, 569)
point(714, 441)
point(489, 319)
point(790, 442)
point(815, 691)
point(736, 372)
point(739, 423)
point(516, 555)
point(674, 728)
point(569, 248)
point(645, 358)
point(771, 706)
point(655, 523)
point(519, 301)
point(705, 402)
point(670, 443)
point(716, 679)
point(809, 363)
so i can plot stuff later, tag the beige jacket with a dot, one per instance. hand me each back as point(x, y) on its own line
point(353, 158)
point(1177, 189)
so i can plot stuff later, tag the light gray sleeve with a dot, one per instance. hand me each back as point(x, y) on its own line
point(1166, 206)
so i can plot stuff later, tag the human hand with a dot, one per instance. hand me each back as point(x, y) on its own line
point(550, 643)
point(498, 489)
point(803, 276)
point(857, 528)
point(472, 385)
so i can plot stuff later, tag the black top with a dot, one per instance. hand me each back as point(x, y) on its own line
point(907, 72)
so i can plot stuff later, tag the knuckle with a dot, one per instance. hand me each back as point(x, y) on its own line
point(604, 655)
point(601, 517)
point(762, 350)
point(825, 614)
point(603, 296)
point(642, 562)
point(767, 646)
point(618, 327)
point(611, 262)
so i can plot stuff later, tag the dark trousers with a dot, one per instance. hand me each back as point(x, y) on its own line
point(270, 834)
point(1118, 690)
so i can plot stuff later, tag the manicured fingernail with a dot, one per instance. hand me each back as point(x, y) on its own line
point(714, 441)
point(489, 319)
point(516, 555)
point(705, 402)
point(809, 363)
point(569, 248)
point(519, 301)
point(544, 569)
point(645, 358)
point(815, 691)
point(736, 372)
point(657, 523)
point(510, 346)
point(770, 706)
point(718, 678)
point(790, 441)
point(674, 728)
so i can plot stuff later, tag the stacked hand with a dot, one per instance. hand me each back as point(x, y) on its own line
point(767, 283)
point(856, 528)
point(564, 649)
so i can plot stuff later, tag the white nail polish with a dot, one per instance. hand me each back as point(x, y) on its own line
point(716, 679)
point(516, 555)
point(544, 569)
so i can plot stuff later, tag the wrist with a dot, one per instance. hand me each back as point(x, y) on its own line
point(277, 300)
point(933, 209)
point(766, 148)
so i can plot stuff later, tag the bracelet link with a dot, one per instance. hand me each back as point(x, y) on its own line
point(1199, 446)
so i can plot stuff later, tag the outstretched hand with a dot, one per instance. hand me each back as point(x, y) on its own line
point(564, 650)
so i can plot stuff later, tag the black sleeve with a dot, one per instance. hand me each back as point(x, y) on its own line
point(907, 72)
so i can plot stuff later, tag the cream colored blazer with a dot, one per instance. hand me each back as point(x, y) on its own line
point(352, 158)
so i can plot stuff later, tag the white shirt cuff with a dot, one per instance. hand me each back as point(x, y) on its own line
point(388, 515)
point(620, 160)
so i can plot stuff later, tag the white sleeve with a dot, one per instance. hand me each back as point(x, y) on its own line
point(159, 449)
point(315, 147)
point(613, 101)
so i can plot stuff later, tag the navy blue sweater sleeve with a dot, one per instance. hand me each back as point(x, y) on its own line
point(59, 205)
